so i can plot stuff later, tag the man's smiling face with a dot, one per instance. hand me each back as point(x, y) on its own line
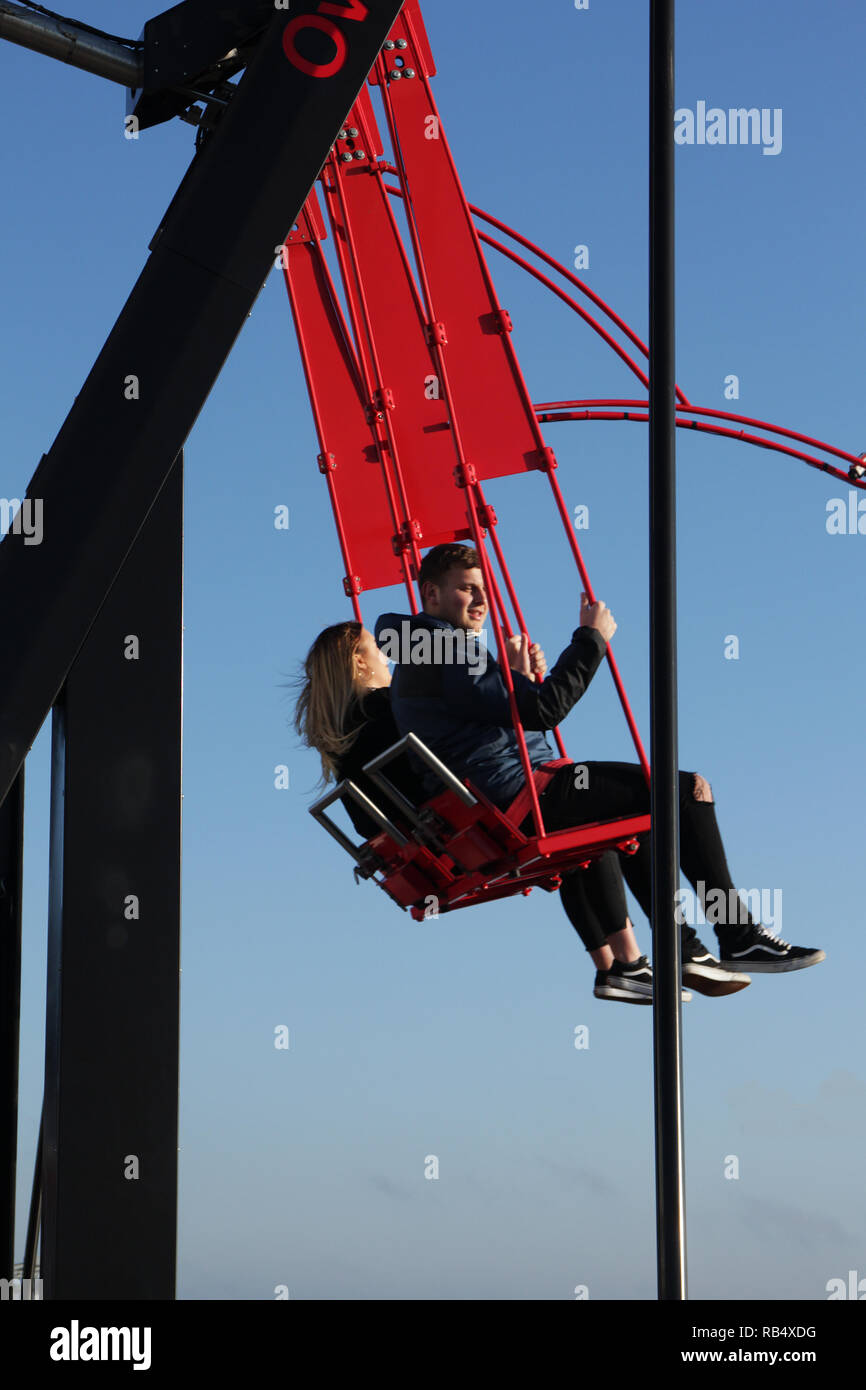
point(461, 598)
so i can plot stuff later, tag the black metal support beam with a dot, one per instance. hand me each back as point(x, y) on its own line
point(11, 852)
point(194, 45)
point(31, 1235)
point(109, 1156)
point(209, 261)
point(71, 43)
point(664, 791)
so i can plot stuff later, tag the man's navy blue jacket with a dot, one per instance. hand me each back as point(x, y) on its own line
point(461, 710)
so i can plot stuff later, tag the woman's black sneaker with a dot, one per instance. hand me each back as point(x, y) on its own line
point(756, 949)
point(630, 984)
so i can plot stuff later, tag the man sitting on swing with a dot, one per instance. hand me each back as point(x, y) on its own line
point(460, 710)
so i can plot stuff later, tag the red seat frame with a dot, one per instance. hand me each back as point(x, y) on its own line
point(458, 849)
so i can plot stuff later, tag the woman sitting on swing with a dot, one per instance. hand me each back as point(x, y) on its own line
point(344, 712)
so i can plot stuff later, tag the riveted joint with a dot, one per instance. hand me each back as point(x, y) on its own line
point(545, 460)
point(383, 400)
point(435, 333)
point(410, 531)
point(465, 475)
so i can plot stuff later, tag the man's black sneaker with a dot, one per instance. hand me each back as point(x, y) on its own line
point(758, 949)
point(704, 973)
point(630, 984)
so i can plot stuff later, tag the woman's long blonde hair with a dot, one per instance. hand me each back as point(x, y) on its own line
point(328, 695)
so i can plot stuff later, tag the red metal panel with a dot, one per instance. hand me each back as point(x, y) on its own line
point(487, 392)
point(349, 459)
point(391, 332)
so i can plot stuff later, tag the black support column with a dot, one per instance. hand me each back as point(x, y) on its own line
point(109, 1175)
point(11, 850)
point(664, 790)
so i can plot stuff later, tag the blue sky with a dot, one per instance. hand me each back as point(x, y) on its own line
point(455, 1038)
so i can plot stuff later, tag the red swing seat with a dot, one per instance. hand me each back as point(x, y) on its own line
point(458, 849)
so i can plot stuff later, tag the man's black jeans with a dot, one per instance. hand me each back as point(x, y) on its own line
point(594, 898)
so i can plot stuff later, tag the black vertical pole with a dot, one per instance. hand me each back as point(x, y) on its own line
point(11, 849)
point(664, 790)
point(109, 1149)
point(31, 1238)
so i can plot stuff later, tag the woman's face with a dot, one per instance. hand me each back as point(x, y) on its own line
point(371, 667)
